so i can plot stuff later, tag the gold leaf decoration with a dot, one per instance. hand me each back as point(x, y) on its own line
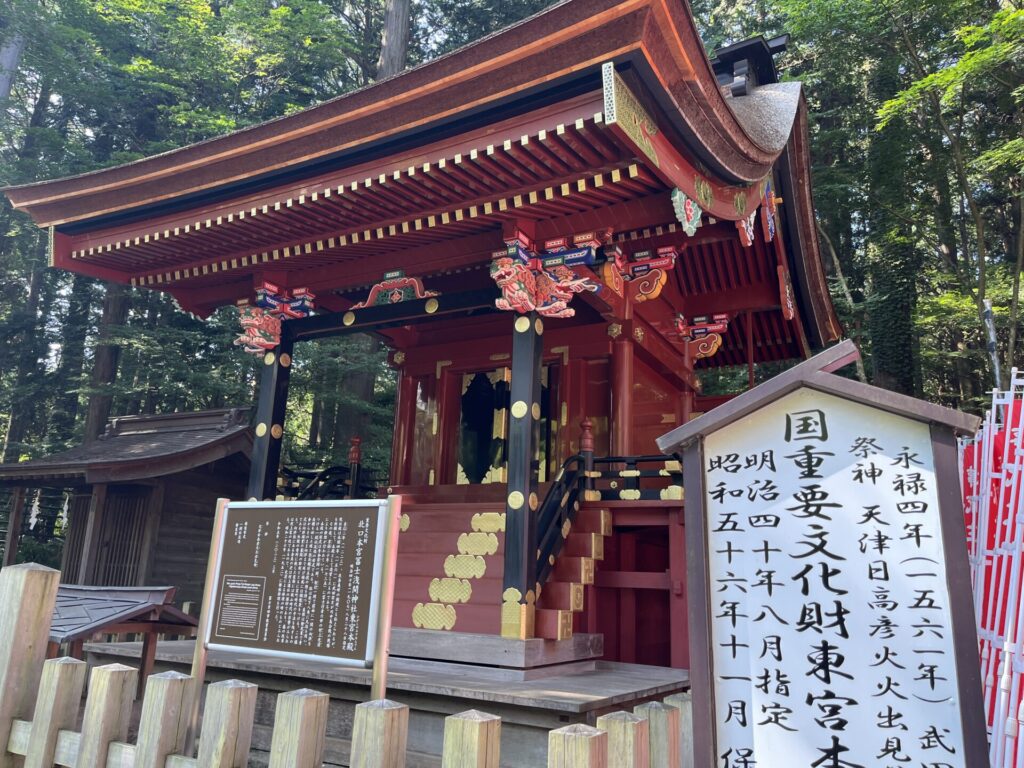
point(433, 616)
point(450, 590)
point(489, 522)
point(478, 543)
point(464, 566)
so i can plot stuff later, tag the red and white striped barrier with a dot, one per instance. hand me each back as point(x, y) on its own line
point(993, 468)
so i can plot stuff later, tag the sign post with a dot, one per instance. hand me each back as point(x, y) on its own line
point(301, 580)
point(831, 618)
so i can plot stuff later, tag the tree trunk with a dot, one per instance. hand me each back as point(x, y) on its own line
point(27, 343)
point(847, 296)
point(394, 45)
point(1011, 347)
point(105, 359)
point(894, 259)
point(72, 358)
point(10, 57)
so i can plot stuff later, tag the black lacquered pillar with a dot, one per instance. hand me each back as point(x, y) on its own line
point(270, 413)
point(520, 585)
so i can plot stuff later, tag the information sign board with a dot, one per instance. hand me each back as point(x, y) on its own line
point(831, 622)
point(300, 579)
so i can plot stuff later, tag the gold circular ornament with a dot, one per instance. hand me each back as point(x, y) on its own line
point(286, 360)
point(261, 430)
point(519, 409)
point(551, 559)
point(431, 306)
point(533, 501)
point(276, 431)
point(516, 500)
point(268, 359)
point(536, 410)
point(348, 318)
point(399, 357)
point(522, 324)
point(538, 326)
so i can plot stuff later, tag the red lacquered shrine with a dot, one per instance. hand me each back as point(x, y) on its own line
point(554, 230)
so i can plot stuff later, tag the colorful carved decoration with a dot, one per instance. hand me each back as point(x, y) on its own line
point(260, 330)
point(545, 291)
point(394, 289)
point(688, 212)
point(705, 194)
point(261, 323)
point(623, 109)
point(746, 229)
point(647, 272)
point(786, 298)
point(768, 212)
point(703, 336)
point(612, 277)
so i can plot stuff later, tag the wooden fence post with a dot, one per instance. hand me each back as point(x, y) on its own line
point(628, 740)
point(300, 727)
point(471, 740)
point(60, 695)
point(108, 710)
point(27, 596)
point(663, 727)
point(227, 725)
point(165, 711)
point(684, 703)
point(379, 734)
point(578, 746)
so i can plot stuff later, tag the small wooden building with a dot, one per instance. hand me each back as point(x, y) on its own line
point(142, 497)
point(560, 225)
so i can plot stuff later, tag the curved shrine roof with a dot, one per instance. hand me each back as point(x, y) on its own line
point(553, 54)
point(583, 117)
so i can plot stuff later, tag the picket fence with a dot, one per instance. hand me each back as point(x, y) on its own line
point(40, 701)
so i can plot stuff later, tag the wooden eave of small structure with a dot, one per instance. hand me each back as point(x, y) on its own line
point(428, 168)
point(141, 448)
point(81, 612)
point(817, 373)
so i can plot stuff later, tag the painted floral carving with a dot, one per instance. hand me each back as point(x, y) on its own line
point(394, 289)
point(688, 212)
point(768, 212)
point(745, 227)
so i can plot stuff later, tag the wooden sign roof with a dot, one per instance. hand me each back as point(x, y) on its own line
point(83, 611)
point(816, 373)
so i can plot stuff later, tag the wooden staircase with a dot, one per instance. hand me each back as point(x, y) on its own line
point(574, 567)
point(450, 571)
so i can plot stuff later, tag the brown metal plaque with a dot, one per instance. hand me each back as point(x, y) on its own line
point(299, 579)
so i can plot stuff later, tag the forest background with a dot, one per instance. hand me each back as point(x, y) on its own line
point(917, 139)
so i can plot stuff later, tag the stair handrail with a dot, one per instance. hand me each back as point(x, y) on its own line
point(576, 478)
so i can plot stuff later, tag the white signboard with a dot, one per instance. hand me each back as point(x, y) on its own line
point(831, 641)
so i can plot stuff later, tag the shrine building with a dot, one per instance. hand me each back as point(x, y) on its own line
point(555, 231)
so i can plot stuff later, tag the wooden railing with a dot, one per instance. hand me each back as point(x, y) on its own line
point(584, 477)
point(333, 482)
point(40, 703)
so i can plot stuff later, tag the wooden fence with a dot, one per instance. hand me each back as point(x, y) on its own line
point(40, 702)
